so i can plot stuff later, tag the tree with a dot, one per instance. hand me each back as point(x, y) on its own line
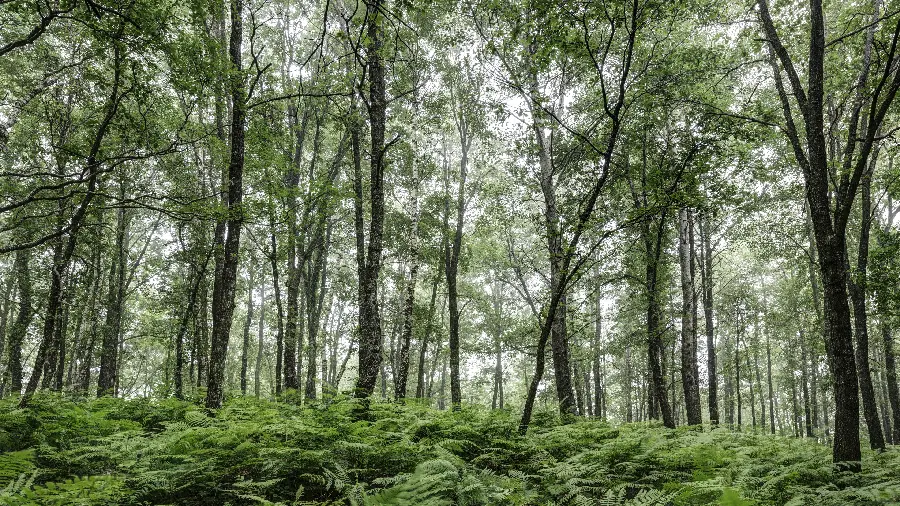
point(829, 217)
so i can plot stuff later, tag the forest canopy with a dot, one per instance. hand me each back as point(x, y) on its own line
point(528, 244)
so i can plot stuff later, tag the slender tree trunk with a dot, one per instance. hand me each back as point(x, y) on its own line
point(223, 305)
point(737, 374)
point(595, 357)
point(183, 327)
point(257, 371)
point(248, 323)
point(771, 389)
point(559, 339)
point(804, 379)
point(759, 383)
point(890, 369)
point(22, 269)
point(690, 376)
point(423, 347)
point(5, 309)
point(276, 287)
point(857, 288)
point(451, 257)
point(115, 301)
point(706, 274)
point(659, 398)
point(371, 337)
point(402, 374)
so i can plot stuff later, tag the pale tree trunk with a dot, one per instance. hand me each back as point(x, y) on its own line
point(257, 371)
point(771, 388)
point(423, 346)
point(402, 374)
point(690, 376)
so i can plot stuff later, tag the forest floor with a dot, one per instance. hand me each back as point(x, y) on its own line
point(112, 451)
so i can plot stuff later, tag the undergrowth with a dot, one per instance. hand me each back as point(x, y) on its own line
point(141, 452)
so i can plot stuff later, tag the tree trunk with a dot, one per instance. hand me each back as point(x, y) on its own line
point(857, 288)
point(402, 374)
point(706, 274)
point(198, 277)
point(595, 357)
point(370, 332)
point(737, 375)
point(559, 339)
point(257, 371)
point(22, 269)
point(890, 368)
point(114, 303)
point(771, 389)
point(423, 347)
point(223, 305)
point(804, 379)
point(276, 287)
point(248, 322)
point(451, 258)
point(690, 376)
point(660, 400)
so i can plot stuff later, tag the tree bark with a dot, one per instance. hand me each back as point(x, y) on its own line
point(857, 287)
point(22, 269)
point(276, 287)
point(109, 353)
point(451, 258)
point(423, 346)
point(690, 375)
point(257, 371)
point(706, 274)
point(248, 323)
point(771, 389)
point(223, 305)
point(830, 221)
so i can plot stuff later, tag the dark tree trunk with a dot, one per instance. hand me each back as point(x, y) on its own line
point(857, 288)
point(706, 274)
point(197, 278)
point(595, 358)
point(223, 294)
point(451, 258)
point(804, 379)
point(5, 309)
point(370, 332)
point(690, 375)
point(890, 369)
point(759, 383)
point(276, 287)
point(22, 269)
point(257, 371)
point(109, 353)
point(866, 114)
point(248, 323)
point(402, 374)
point(315, 297)
point(423, 347)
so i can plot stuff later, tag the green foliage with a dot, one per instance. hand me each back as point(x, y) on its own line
point(258, 452)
